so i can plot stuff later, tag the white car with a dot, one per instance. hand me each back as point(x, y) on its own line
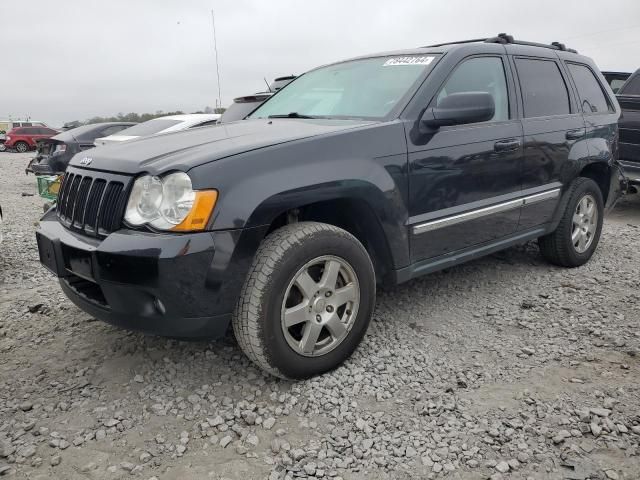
point(170, 123)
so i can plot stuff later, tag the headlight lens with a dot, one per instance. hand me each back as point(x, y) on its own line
point(169, 203)
point(177, 201)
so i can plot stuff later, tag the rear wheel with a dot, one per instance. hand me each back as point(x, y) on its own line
point(307, 300)
point(572, 244)
point(22, 147)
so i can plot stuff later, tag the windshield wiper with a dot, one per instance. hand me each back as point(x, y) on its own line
point(292, 115)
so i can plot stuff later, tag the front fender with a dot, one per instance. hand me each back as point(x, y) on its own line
point(368, 165)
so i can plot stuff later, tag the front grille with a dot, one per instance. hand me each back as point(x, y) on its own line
point(92, 202)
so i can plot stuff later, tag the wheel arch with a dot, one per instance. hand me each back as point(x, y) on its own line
point(356, 216)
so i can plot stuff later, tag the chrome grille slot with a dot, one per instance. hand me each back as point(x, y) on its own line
point(92, 202)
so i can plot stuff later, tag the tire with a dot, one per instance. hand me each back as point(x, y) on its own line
point(22, 147)
point(2, 147)
point(258, 320)
point(558, 247)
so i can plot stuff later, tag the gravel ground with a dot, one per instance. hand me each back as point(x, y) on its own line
point(505, 367)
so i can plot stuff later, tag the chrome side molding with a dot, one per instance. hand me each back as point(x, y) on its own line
point(482, 212)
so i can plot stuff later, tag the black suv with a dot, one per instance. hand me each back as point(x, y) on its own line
point(629, 99)
point(370, 171)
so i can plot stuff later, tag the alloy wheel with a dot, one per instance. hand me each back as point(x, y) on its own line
point(320, 306)
point(585, 224)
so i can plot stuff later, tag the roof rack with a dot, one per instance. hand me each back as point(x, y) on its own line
point(505, 39)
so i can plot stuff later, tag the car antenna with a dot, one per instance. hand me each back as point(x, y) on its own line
point(265, 81)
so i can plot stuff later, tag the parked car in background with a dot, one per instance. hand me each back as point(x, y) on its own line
point(374, 170)
point(629, 123)
point(7, 125)
point(243, 106)
point(616, 79)
point(24, 138)
point(53, 154)
point(170, 123)
point(280, 82)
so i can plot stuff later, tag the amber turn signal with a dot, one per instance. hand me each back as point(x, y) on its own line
point(200, 213)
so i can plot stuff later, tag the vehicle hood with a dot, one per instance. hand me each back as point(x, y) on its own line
point(187, 149)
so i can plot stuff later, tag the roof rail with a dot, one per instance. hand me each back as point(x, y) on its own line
point(504, 39)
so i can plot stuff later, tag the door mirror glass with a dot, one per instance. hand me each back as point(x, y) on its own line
point(460, 108)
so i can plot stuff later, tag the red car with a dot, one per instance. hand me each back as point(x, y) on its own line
point(25, 138)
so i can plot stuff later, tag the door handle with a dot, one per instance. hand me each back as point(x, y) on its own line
point(506, 145)
point(575, 134)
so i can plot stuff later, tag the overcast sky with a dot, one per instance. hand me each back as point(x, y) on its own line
point(73, 59)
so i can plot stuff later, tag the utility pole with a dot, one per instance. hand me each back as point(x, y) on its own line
point(215, 48)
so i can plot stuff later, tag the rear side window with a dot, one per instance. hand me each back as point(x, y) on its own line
point(591, 95)
point(616, 83)
point(544, 92)
point(204, 124)
point(149, 127)
point(633, 87)
point(480, 74)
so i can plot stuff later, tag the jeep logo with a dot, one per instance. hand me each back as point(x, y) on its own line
point(86, 161)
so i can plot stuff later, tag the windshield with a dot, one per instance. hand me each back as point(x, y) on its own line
point(368, 88)
point(149, 128)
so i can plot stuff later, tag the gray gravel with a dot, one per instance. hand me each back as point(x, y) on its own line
point(502, 368)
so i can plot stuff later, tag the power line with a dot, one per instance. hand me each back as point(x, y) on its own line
point(215, 48)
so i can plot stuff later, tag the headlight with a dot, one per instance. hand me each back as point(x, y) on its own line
point(169, 203)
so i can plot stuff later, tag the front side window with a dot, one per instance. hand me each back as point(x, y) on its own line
point(591, 95)
point(544, 92)
point(480, 74)
point(369, 88)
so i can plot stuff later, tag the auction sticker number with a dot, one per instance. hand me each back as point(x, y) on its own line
point(412, 60)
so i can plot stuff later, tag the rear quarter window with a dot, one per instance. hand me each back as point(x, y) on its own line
point(592, 97)
point(544, 92)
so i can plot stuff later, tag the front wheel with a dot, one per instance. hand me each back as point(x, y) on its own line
point(572, 244)
point(22, 147)
point(307, 300)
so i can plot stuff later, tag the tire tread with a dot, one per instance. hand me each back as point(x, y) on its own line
point(272, 251)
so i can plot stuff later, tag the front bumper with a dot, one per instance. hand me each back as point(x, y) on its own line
point(631, 171)
point(167, 284)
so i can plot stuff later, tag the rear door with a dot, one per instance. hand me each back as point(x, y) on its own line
point(553, 130)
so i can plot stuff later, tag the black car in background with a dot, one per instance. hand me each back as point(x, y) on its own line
point(53, 154)
point(243, 106)
point(281, 82)
point(616, 79)
point(629, 124)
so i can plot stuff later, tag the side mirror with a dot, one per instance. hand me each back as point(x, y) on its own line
point(458, 109)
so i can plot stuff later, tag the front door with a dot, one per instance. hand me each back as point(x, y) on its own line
point(464, 180)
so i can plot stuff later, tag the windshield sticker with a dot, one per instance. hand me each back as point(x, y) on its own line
point(392, 62)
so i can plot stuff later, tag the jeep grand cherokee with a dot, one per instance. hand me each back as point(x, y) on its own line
point(373, 170)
